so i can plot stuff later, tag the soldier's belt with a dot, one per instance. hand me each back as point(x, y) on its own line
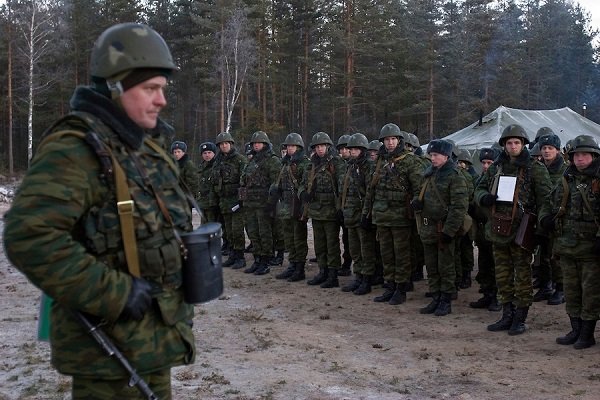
point(429, 221)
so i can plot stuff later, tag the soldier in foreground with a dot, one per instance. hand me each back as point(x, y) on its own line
point(63, 229)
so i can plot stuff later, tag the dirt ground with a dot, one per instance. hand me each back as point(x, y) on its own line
point(268, 339)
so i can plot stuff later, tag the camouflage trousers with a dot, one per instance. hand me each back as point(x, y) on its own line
point(95, 389)
point(278, 234)
point(513, 274)
point(486, 273)
point(295, 235)
point(439, 260)
point(394, 243)
point(326, 237)
point(417, 257)
point(581, 282)
point(234, 229)
point(362, 250)
point(549, 268)
point(259, 226)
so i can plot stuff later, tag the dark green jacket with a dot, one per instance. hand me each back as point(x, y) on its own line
point(289, 181)
point(258, 176)
point(227, 170)
point(63, 232)
point(189, 173)
point(353, 188)
point(205, 195)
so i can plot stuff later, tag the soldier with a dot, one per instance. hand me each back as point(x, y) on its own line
point(442, 205)
point(466, 260)
point(319, 192)
point(186, 165)
point(373, 149)
point(362, 241)
point(572, 216)
point(257, 178)
point(485, 257)
point(549, 273)
point(396, 178)
point(536, 153)
point(294, 164)
point(227, 170)
point(344, 153)
point(63, 229)
point(513, 272)
point(205, 195)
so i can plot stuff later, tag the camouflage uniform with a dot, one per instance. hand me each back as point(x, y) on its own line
point(189, 172)
point(577, 244)
point(75, 252)
point(396, 179)
point(513, 272)
point(205, 195)
point(259, 210)
point(319, 190)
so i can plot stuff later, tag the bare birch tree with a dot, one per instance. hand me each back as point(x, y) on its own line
point(237, 58)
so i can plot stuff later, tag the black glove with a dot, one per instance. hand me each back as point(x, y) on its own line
point(488, 200)
point(138, 301)
point(305, 197)
point(365, 222)
point(548, 223)
point(416, 205)
point(445, 238)
point(275, 191)
point(339, 217)
point(597, 246)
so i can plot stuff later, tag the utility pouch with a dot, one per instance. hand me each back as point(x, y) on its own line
point(242, 193)
point(525, 236)
point(501, 224)
point(202, 271)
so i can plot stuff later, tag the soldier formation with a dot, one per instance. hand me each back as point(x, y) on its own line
point(398, 210)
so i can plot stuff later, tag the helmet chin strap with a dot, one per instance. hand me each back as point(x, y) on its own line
point(115, 88)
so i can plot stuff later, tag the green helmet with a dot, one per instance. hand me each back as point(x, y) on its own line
point(390, 130)
point(374, 145)
point(224, 137)
point(358, 140)
point(320, 138)
point(535, 150)
point(413, 140)
point(584, 144)
point(293, 139)
point(464, 156)
point(513, 131)
point(260, 137)
point(128, 46)
point(342, 141)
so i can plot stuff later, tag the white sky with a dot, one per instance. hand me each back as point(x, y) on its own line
point(593, 6)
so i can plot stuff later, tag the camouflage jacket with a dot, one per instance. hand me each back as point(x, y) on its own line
point(533, 184)
point(189, 173)
point(63, 232)
point(395, 180)
point(258, 176)
point(289, 181)
point(205, 195)
point(321, 181)
point(226, 174)
point(577, 224)
point(353, 187)
point(556, 169)
point(445, 201)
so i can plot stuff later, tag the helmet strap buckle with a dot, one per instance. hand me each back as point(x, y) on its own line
point(116, 88)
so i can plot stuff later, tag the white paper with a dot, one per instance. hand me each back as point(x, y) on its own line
point(506, 188)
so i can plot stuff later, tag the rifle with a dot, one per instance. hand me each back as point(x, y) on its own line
point(112, 351)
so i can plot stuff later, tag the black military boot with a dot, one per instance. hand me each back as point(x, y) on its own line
point(387, 295)
point(277, 259)
point(544, 292)
point(558, 297)
point(518, 324)
point(298, 274)
point(365, 286)
point(254, 267)
point(320, 277)
point(483, 302)
point(354, 284)
point(505, 322)
point(495, 304)
point(431, 307)
point(332, 279)
point(586, 335)
point(231, 259)
point(239, 261)
point(571, 337)
point(263, 267)
point(444, 306)
point(399, 295)
point(288, 272)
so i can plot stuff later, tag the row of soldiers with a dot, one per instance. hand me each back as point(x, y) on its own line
point(407, 209)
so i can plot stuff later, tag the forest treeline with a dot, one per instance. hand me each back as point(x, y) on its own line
point(344, 66)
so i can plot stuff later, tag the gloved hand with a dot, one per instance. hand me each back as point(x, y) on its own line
point(597, 246)
point(488, 200)
point(339, 217)
point(275, 191)
point(416, 205)
point(445, 238)
point(548, 224)
point(305, 197)
point(138, 301)
point(365, 222)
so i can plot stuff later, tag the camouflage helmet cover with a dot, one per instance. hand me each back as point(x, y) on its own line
point(390, 130)
point(374, 145)
point(342, 141)
point(260, 137)
point(413, 140)
point(513, 131)
point(320, 138)
point(464, 156)
point(293, 139)
point(584, 144)
point(224, 137)
point(358, 140)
